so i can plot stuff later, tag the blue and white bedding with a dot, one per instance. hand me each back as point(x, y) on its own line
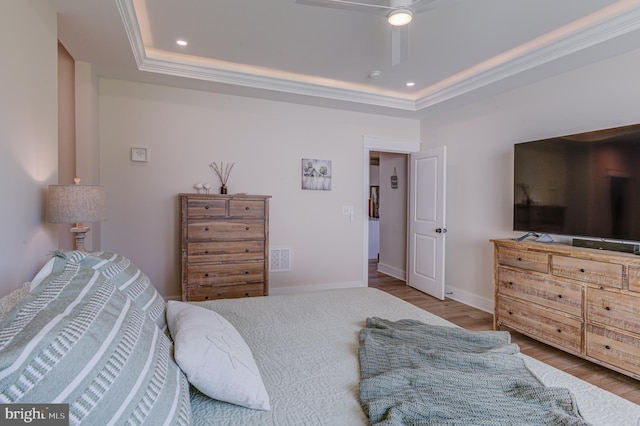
point(91, 333)
point(76, 339)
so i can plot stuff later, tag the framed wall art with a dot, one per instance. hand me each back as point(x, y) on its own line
point(316, 174)
point(139, 154)
point(374, 201)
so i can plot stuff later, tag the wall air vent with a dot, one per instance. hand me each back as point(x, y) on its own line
point(279, 259)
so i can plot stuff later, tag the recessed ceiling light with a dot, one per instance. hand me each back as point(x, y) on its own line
point(410, 84)
point(181, 42)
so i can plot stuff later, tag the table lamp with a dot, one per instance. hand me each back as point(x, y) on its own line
point(76, 204)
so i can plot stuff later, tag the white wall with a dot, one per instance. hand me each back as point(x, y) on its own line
point(480, 138)
point(186, 130)
point(28, 137)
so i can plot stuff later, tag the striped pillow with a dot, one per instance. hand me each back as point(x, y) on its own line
point(77, 340)
point(127, 278)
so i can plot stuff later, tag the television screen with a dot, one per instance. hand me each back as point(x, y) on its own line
point(586, 185)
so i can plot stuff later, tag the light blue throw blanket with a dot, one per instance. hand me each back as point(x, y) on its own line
point(418, 374)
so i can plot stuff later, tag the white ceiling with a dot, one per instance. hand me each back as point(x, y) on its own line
point(459, 51)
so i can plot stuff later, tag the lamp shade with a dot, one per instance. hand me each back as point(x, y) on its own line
point(76, 203)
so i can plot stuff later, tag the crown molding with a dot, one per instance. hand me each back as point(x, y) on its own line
point(129, 17)
point(156, 61)
point(616, 20)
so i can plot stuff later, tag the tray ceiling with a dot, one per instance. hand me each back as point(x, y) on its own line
point(459, 51)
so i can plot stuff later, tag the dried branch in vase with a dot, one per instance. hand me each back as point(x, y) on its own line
point(222, 171)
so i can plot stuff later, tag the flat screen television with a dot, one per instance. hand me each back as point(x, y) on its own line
point(583, 185)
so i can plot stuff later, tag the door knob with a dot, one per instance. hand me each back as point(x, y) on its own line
point(441, 230)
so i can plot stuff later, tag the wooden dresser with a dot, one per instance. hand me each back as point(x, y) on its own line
point(583, 301)
point(225, 246)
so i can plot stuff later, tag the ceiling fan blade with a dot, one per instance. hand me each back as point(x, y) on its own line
point(425, 5)
point(381, 7)
point(399, 44)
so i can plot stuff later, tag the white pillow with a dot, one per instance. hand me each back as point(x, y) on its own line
point(214, 356)
point(42, 274)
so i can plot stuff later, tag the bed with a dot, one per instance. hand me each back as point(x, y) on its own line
point(305, 347)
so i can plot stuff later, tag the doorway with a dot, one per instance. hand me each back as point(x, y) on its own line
point(424, 198)
point(388, 213)
point(381, 145)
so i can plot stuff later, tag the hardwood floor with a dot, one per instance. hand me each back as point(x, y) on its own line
point(475, 319)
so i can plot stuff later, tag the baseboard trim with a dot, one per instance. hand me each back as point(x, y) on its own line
point(392, 271)
point(280, 291)
point(470, 299)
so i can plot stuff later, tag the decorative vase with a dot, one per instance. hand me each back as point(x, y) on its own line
point(223, 189)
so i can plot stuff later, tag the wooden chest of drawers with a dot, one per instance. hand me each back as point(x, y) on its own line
point(225, 246)
point(584, 301)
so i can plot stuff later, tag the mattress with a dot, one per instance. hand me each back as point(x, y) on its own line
point(306, 347)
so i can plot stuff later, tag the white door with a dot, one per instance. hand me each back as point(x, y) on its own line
point(427, 231)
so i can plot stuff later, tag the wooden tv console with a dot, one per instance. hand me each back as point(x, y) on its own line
point(583, 301)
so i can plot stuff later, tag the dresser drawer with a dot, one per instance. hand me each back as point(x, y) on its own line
point(614, 309)
point(224, 274)
point(224, 251)
point(542, 324)
point(198, 294)
point(197, 207)
point(226, 229)
point(618, 349)
point(539, 289)
point(591, 271)
point(634, 278)
point(246, 208)
point(524, 259)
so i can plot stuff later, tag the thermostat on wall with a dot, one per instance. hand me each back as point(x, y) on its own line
point(139, 154)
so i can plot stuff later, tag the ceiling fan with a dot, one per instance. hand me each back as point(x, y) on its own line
point(399, 14)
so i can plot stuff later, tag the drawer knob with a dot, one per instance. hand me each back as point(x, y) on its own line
point(246, 294)
point(607, 308)
point(246, 250)
point(206, 228)
point(206, 274)
point(206, 298)
point(206, 252)
point(246, 208)
point(559, 296)
point(510, 313)
point(582, 270)
point(607, 347)
point(206, 207)
point(247, 228)
point(559, 331)
point(246, 272)
point(519, 259)
point(510, 282)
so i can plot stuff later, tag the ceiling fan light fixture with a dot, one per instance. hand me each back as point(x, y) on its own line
point(399, 17)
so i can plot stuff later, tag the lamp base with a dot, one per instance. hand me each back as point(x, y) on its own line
point(80, 232)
